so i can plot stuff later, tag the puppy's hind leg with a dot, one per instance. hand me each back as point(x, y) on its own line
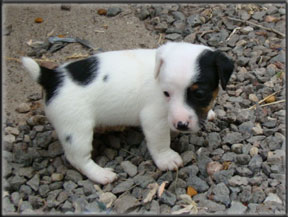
point(77, 143)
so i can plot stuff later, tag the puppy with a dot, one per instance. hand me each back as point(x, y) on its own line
point(172, 87)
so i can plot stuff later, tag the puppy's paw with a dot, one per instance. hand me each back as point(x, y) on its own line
point(103, 176)
point(211, 115)
point(168, 160)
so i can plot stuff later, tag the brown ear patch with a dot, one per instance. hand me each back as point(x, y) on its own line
point(206, 109)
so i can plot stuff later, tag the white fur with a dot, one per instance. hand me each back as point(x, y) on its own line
point(31, 66)
point(130, 96)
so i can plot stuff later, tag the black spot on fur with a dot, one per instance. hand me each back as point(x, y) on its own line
point(51, 80)
point(105, 78)
point(68, 139)
point(83, 71)
point(213, 66)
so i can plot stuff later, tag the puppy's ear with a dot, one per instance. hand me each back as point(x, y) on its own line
point(158, 65)
point(225, 67)
point(161, 52)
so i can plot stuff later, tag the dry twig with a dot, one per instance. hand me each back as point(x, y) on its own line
point(257, 25)
point(233, 32)
point(263, 100)
point(272, 103)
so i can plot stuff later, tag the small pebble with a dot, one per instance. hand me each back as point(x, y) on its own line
point(253, 151)
point(23, 108)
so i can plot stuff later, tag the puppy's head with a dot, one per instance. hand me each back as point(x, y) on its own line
point(189, 77)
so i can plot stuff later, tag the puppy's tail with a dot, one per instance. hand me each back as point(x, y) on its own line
point(32, 67)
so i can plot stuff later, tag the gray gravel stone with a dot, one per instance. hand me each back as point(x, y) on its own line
point(244, 171)
point(258, 196)
point(279, 58)
point(69, 186)
point(36, 201)
point(197, 183)
point(245, 195)
point(143, 180)
point(25, 205)
point(25, 191)
point(236, 208)
point(42, 139)
point(178, 15)
point(238, 180)
point(214, 140)
point(143, 14)
point(123, 186)
point(223, 175)
point(229, 156)
point(123, 204)
point(129, 168)
point(165, 177)
point(26, 172)
point(73, 175)
point(55, 149)
point(221, 194)
point(113, 11)
point(211, 205)
point(194, 20)
point(34, 182)
point(173, 37)
point(272, 198)
point(16, 181)
point(8, 207)
point(242, 159)
point(15, 197)
point(67, 206)
point(202, 164)
point(274, 142)
point(255, 163)
point(168, 198)
point(237, 148)
point(43, 190)
point(233, 137)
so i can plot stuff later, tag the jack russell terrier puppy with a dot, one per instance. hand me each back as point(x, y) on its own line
point(172, 87)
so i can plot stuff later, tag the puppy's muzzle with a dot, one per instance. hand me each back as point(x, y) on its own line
point(182, 126)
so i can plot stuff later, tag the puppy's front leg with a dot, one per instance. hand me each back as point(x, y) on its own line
point(157, 134)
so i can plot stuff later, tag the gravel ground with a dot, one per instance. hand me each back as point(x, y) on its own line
point(236, 165)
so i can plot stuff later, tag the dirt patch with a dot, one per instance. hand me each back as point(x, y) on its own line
point(123, 31)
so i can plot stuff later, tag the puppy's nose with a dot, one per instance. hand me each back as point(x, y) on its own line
point(182, 126)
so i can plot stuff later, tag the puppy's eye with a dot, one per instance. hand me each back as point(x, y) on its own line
point(166, 94)
point(199, 94)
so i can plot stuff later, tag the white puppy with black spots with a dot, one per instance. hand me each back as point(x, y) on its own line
point(172, 87)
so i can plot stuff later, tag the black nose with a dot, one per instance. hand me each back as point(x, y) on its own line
point(182, 126)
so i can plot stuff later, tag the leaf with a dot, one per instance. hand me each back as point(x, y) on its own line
point(270, 99)
point(161, 188)
point(38, 20)
point(151, 193)
point(186, 198)
point(271, 19)
point(191, 191)
point(280, 74)
point(226, 165)
point(190, 204)
point(102, 11)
